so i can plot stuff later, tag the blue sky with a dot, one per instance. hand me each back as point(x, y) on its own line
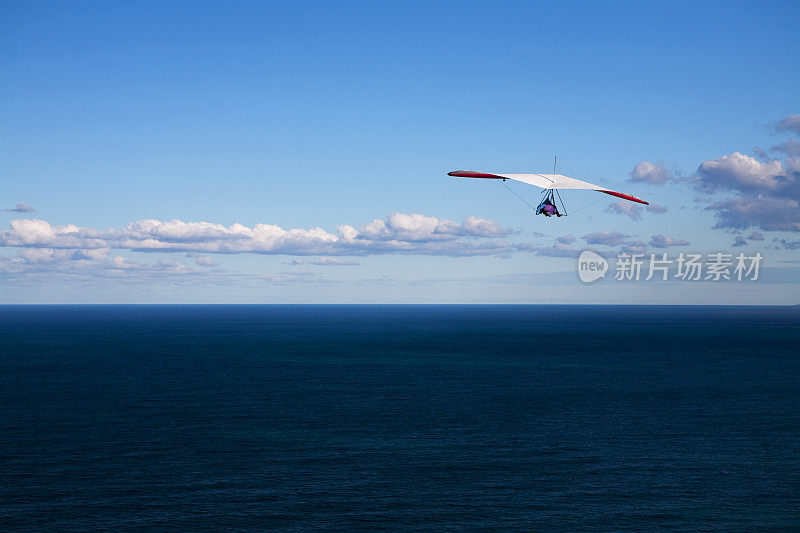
point(319, 115)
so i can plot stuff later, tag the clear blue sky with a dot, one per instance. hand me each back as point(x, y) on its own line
point(320, 114)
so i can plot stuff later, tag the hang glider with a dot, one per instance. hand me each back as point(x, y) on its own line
point(546, 181)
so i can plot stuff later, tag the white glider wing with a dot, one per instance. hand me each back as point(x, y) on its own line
point(546, 181)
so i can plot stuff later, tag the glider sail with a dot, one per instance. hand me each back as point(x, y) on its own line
point(546, 181)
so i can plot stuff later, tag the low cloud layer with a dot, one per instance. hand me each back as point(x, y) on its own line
point(205, 261)
point(608, 238)
point(559, 249)
point(99, 268)
point(93, 263)
point(398, 233)
point(333, 261)
point(563, 246)
point(664, 241)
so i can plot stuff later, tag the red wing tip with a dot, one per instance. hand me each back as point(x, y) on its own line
point(626, 197)
point(472, 174)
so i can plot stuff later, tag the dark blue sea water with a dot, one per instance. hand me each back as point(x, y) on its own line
point(552, 418)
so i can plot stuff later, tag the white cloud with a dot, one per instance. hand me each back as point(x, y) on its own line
point(653, 173)
point(421, 228)
point(89, 263)
point(398, 233)
point(663, 241)
point(480, 227)
point(559, 249)
point(634, 247)
point(613, 238)
point(765, 194)
point(333, 261)
point(656, 208)
point(33, 232)
point(98, 268)
point(206, 261)
point(742, 173)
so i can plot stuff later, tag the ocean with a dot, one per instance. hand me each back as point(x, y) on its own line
point(411, 418)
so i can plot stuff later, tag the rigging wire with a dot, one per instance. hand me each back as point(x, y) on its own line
point(562, 202)
point(503, 183)
point(564, 207)
point(588, 205)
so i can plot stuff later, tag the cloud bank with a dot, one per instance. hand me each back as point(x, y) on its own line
point(333, 261)
point(608, 238)
point(397, 234)
point(664, 241)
